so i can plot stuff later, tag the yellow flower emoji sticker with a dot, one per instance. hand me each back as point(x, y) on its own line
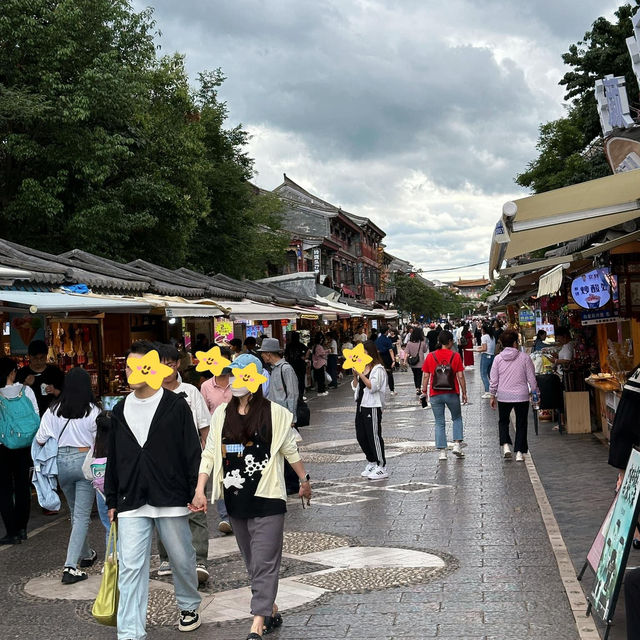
point(356, 358)
point(211, 360)
point(248, 377)
point(148, 369)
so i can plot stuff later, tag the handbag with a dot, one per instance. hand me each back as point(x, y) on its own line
point(462, 342)
point(105, 606)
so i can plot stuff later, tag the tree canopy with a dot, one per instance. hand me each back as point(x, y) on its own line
point(106, 146)
point(416, 297)
point(570, 148)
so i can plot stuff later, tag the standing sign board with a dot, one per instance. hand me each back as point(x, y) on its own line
point(617, 542)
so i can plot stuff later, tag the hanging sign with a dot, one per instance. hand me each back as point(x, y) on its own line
point(24, 329)
point(526, 316)
point(592, 290)
point(222, 330)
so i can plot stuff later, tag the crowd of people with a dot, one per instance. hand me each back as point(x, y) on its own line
point(150, 462)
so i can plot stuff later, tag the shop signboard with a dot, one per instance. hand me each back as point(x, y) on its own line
point(24, 329)
point(594, 289)
point(222, 330)
point(316, 259)
point(603, 316)
point(617, 542)
point(526, 316)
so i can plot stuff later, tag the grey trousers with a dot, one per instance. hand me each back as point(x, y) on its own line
point(260, 543)
point(199, 538)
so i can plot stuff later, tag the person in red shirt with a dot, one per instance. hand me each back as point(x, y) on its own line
point(443, 387)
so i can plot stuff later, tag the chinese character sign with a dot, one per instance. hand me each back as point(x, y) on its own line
point(592, 290)
point(617, 542)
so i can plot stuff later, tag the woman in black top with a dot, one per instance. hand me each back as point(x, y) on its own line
point(296, 354)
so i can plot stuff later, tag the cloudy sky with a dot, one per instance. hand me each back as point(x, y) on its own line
point(415, 113)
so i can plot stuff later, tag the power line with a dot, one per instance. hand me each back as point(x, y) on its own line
point(464, 266)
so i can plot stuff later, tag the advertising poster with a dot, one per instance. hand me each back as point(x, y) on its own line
point(617, 542)
point(223, 330)
point(24, 329)
point(595, 552)
point(594, 289)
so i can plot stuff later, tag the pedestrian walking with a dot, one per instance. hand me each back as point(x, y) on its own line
point(442, 382)
point(369, 389)
point(198, 526)
point(487, 350)
point(296, 353)
point(512, 378)
point(465, 346)
point(151, 475)
point(384, 344)
point(416, 350)
point(332, 358)
point(71, 420)
point(319, 363)
point(217, 391)
point(249, 441)
point(432, 336)
point(15, 486)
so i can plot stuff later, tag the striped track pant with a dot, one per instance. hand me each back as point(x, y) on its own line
point(369, 434)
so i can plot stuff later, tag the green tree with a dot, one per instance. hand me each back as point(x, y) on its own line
point(416, 297)
point(570, 148)
point(103, 145)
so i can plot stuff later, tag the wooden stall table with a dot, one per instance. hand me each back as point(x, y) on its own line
point(607, 394)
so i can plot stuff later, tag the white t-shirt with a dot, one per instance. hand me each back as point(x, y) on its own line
point(197, 404)
point(79, 432)
point(490, 342)
point(333, 347)
point(139, 412)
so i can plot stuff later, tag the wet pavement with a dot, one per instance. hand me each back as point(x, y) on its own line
point(455, 549)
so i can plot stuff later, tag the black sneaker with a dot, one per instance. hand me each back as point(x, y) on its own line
point(22, 534)
point(10, 540)
point(189, 620)
point(88, 562)
point(71, 575)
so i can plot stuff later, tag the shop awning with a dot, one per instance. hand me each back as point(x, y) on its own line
point(249, 310)
point(550, 218)
point(551, 282)
point(53, 302)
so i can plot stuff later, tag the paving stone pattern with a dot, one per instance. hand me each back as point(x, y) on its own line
point(480, 516)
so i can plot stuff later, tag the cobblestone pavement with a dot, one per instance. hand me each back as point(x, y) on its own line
point(454, 549)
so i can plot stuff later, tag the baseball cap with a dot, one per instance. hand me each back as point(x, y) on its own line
point(244, 360)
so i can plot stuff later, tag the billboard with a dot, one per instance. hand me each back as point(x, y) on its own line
point(594, 289)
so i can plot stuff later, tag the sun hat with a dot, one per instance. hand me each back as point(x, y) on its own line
point(271, 345)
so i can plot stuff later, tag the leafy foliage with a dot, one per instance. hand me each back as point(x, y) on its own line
point(104, 145)
point(413, 295)
point(570, 148)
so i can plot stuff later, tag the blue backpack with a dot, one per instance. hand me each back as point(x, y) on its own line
point(18, 421)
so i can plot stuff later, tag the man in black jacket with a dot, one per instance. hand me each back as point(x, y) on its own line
point(151, 475)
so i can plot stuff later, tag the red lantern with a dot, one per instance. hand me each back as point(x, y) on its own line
point(284, 323)
point(265, 323)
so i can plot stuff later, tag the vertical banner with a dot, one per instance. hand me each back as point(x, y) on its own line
point(24, 329)
point(617, 542)
point(222, 330)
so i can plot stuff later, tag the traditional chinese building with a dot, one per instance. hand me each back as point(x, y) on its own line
point(342, 248)
point(470, 288)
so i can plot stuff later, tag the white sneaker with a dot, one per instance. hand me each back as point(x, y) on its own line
point(368, 469)
point(164, 569)
point(324, 393)
point(378, 473)
point(506, 451)
point(443, 454)
point(457, 450)
point(486, 395)
point(519, 456)
point(393, 393)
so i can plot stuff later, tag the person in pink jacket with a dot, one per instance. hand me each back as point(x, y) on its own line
point(513, 378)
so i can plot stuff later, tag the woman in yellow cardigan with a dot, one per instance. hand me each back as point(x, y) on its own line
point(249, 440)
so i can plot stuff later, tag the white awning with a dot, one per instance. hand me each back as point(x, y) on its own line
point(53, 302)
point(250, 310)
point(551, 282)
point(557, 216)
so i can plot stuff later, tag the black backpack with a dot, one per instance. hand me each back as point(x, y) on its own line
point(444, 377)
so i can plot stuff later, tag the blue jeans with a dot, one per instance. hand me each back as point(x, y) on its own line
point(80, 495)
point(134, 549)
point(438, 402)
point(486, 361)
point(222, 510)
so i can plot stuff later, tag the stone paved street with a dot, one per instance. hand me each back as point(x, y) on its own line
point(461, 547)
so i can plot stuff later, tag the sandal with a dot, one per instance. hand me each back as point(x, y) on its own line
point(271, 623)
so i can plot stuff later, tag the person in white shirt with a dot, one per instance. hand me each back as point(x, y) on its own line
point(71, 420)
point(487, 348)
point(369, 389)
point(170, 356)
point(565, 355)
